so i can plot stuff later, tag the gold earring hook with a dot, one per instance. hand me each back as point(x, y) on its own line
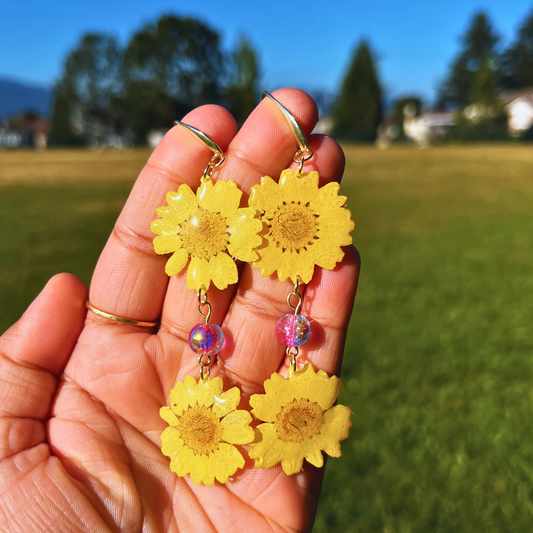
point(219, 156)
point(212, 145)
point(305, 152)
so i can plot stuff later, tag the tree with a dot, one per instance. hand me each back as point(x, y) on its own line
point(479, 45)
point(358, 109)
point(485, 118)
point(485, 85)
point(517, 63)
point(144, 106)
point(181, 57)
point(243, 93)
point(87, 88)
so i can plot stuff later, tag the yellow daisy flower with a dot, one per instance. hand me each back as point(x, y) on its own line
point(306, 225)
point(204, 423)
point(300, 420)
point(210, 229)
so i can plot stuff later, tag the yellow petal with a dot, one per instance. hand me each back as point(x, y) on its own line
point(172, 444)
point(182, 395)
point(200, 470)
point(267, 406)
point(177, 262)
point(327, 198)
point(236, 429)
point(292, 465)
point(225, 461)
point(226, 402)
point(304, 266)
point(315, 457)
point(163, 226)
point(316, 386)
point(224, 197)
point(223, 270)
point(206, 391)
point(280, 391)
point(265, 196)
point(244, 231)
point(182, 461)
point(292, 265)
point(335, 227)
point(298, 189)
point(271, 450)
point(168, 416)
point(182, 204)
point(167, 243)
point(336, 427)
point(326, 255)
point(164, 213)
point(269, 258)
point(198, 274)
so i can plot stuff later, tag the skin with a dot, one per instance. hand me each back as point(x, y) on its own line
point(80, 395)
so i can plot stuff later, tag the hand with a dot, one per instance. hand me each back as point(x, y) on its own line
point(82, 452)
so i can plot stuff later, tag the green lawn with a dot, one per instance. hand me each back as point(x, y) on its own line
point(439, 361)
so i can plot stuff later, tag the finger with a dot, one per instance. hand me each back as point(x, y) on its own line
point(47, 332)
point(130, 279)
point(260, 302)
point(266, 144)
point(328, 303)
point(32, 351)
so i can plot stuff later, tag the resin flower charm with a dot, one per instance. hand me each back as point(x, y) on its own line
point(204, 425)
point(210, 229)
point(306, 225)
point(300, 420)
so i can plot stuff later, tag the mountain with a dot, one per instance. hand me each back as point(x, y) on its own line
point(17, 97)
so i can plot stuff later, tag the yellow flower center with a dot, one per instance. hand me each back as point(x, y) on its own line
point(299, 420)
point(293, 226)
point(200, 429)
point(205, 234)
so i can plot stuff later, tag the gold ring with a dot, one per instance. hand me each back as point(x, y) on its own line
point(120, 319)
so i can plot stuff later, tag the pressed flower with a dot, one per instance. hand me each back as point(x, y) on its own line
point(305, 225)
point(208, 228)
point(204, 423)
point(300, 421)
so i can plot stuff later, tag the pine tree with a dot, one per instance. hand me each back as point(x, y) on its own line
point(479, 44)
point(358, 110)
point(517, 64)
point(485, 85)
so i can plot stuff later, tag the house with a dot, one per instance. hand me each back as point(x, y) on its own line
point(428, 126)
point(27, 131)
point(519, 107)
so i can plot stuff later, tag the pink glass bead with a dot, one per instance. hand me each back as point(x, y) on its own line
point(293, 330)
point(206, 339)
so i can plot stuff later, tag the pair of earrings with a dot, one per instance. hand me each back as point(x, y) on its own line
point(288, 227)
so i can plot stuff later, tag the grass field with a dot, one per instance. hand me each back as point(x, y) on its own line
point(439, 360)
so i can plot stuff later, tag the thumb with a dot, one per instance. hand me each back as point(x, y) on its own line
point(31, 352)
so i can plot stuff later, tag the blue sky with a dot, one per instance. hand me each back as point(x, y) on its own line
point(302, 44)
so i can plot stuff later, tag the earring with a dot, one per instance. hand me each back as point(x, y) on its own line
point(209, 231)
point(304, 226)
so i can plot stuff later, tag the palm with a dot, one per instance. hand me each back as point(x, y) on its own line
point(99, 466)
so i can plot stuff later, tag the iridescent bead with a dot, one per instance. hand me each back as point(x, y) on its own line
point(293, 330)
point(206, 339)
